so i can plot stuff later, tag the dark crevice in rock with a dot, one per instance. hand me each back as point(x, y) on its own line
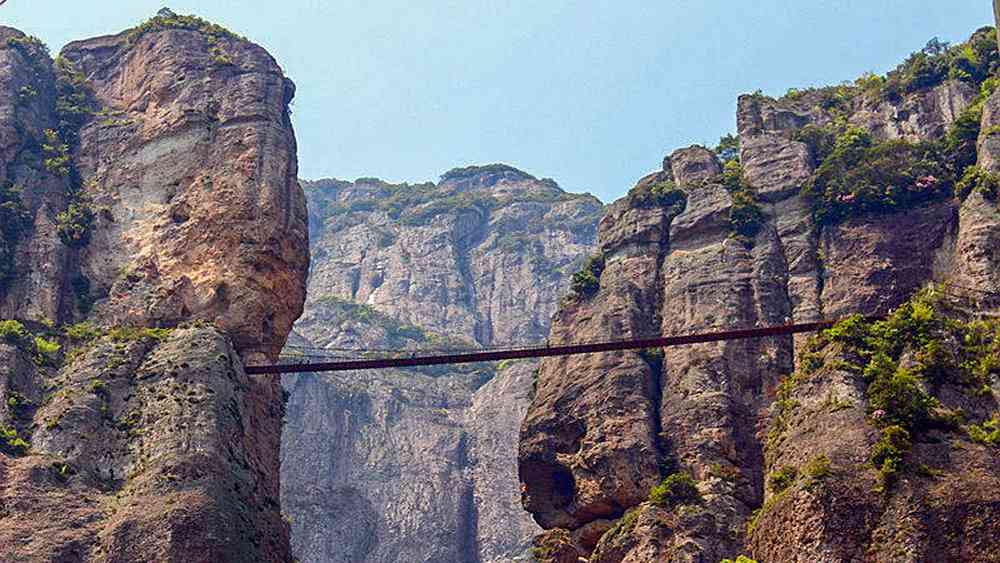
point(468, 509)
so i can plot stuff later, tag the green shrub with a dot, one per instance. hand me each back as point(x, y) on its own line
point(55, 153)
point(902, 400)
point(624, 527)
point(18, 404)
point(675, 490)
point(13, 332)
point(659, 195)
point(732, 177)
point(668, 196)
point(653, 357)
point(26, 94)
point(745, 216)
point(74, 224)
point(11, 443)
point(987, 433)
point(740, 559)
point(960, 141)
point(935, 362)
point(852, 331)
point(83, 332)
point(135, 334)
point(783, 478)
point(887, 454)
point(81, 291)
point(820, 140)
point(98, 387)
point(860, 175)
point(46, 351)
point(898, 403)
point(75, 100)
point(871, 85)
point(63, 471)
point(587, 281)
point(29, 45)
point(978, 180)
point(817, 468)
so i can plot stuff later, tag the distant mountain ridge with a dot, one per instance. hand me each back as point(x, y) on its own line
point(419, 465)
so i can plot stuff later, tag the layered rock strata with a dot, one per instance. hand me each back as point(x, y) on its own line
point(419, 465)
point(161, 243)
point(604, 430)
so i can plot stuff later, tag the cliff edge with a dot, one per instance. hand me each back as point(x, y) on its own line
point(157, 240)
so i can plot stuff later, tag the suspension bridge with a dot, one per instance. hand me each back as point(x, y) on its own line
point(303, 362)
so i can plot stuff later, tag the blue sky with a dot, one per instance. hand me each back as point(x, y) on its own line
point(592, 94)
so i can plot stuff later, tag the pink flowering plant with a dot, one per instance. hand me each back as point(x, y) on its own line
point(857, 174)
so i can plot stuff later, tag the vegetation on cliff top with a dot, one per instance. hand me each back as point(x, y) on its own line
point(464, 173)
point(663, 194)
point(420, 204)
point(213, 33)
point(166, 19)
point(857, 174)
point(972, 61)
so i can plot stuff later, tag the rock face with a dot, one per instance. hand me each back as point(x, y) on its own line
point(603, 430)
point(419, 465)
point(153, 174)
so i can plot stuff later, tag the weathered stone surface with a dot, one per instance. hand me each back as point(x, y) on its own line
point(978, 238)
point(421, 465)
point(924, 115)
point(588, 445)
point(145, 447)
point(503, 529)
point(945, 510)
point(198, 172)
point(379, 474)
point(27, 109)
point(603, 430)
point(147, 450)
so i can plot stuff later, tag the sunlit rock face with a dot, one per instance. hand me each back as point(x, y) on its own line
point(158, 206)
point(603, 430)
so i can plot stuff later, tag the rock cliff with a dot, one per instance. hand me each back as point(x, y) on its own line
point(154, 240)
point(841, 200)
point(420, 465)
